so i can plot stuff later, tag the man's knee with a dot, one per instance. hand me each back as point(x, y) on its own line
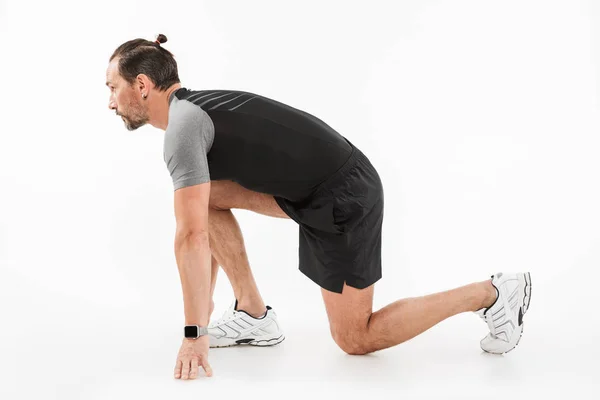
point(352, 341)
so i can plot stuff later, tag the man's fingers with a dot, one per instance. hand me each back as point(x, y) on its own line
point(178, 369)
point(206, 366)
point(185, 371)
point(194, 370)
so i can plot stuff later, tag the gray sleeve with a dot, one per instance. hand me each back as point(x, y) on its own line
point(188, 138)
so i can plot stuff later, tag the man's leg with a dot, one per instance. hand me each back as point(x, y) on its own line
point(358, 330)
point(227, 242)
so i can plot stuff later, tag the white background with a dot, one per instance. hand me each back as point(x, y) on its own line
point(481, 117)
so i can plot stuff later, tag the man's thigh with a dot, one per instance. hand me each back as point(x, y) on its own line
point(225, 195)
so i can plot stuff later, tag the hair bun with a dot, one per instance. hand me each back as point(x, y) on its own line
point(161, 38)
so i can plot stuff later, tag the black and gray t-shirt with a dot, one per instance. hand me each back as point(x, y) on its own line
point(264, 145)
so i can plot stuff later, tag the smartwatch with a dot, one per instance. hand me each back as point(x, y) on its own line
point(194, 331)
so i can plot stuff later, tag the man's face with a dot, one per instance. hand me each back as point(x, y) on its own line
point(124, 99)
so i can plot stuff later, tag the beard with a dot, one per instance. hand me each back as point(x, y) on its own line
point(135, 118)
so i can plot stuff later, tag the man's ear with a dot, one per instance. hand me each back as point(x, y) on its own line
point(143, 83)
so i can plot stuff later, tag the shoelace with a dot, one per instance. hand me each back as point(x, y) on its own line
point(486, 319)
point(226, 317)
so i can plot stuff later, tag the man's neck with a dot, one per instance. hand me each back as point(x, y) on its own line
point(159, 107)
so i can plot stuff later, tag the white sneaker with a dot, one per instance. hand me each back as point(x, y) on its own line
point(238, 327)
point(505, 316)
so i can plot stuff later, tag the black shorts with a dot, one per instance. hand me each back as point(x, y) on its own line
point(340, 227)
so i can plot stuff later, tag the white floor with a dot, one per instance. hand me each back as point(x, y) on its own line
point(90, 351)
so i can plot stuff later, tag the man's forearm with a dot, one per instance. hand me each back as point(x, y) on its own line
point(193, 256)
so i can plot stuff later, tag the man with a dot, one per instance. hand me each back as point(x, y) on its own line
point(230, 149)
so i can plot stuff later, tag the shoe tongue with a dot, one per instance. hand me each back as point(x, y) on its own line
point(230, 311)
point(481, 313)
point(232, 308)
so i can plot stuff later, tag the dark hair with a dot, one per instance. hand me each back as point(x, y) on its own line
point(141, 56)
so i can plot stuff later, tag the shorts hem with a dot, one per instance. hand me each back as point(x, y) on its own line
point(281, 203)
point(338, 286)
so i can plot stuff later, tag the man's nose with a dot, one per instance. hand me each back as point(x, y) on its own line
point(112, 105)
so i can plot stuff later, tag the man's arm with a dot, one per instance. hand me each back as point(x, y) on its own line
point(192, 251)
point(188, 138)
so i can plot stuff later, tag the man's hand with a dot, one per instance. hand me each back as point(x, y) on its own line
point(193, 353)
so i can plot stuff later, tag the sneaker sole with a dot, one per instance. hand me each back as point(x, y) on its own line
point(526, 277)
point(254, 342)
point(267, 343)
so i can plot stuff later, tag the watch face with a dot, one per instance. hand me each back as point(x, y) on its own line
point(191, 331)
